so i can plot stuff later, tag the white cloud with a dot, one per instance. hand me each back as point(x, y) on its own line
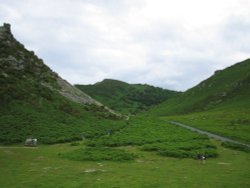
point(172, 44)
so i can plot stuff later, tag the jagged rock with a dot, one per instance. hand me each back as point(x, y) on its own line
point(14, 57)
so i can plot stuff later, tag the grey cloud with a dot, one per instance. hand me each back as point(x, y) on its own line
point(236, 32)
point(86, 41)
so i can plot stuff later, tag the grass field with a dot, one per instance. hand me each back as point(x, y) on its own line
point(230, 123)
point(44, 167)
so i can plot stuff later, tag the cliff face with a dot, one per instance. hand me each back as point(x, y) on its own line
point(15, 58)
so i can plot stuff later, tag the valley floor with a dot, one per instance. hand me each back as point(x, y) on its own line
point(43, 166)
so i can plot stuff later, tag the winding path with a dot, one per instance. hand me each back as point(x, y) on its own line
point(211, 135)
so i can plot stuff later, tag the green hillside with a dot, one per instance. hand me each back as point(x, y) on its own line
point(220, 104)
point(33, 104)
point(104, 150)
point(127, 98)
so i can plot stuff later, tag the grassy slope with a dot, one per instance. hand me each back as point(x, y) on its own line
point(42, 167)
point(126, 98)
point(220, 104)
point(30, 108)
point(226, 89)
point(52, 122)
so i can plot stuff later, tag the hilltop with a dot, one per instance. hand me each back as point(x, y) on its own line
point(37, 102)
point(220, 104)
point(225, 89)
point(127, 98)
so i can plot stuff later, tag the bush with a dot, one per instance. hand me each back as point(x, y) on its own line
point(99, 154)
point(74, 143)
point(238, 147)
point(182, 149)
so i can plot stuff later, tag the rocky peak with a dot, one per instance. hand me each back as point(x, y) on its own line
point(5, 32)
point(6, 27)
point(19, 63)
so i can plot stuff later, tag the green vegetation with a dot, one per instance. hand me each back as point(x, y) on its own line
point(127, 98)
point(155, 135)
point(145, 151)
point(99, 154)
point(220, 104)
point(60, 121)
point(42, 167)
point(232, 123)
point(31, 106)
point(188, 149)
point(225, 90)
point(236, 146)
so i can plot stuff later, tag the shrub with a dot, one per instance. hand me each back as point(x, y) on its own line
point(99, 154)
point(239, 147)
point(74, 143)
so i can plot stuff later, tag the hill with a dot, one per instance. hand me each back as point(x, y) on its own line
point(37, 102)
point(220, 104)
point(225, 89)
point(127, 98)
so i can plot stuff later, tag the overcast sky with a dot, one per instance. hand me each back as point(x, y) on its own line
point(173, 44)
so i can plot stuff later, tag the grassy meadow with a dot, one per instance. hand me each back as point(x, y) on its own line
point(44, 166)
point(231, 123)
point(135, 156)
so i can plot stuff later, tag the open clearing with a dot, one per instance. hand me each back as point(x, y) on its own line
point(44, 167)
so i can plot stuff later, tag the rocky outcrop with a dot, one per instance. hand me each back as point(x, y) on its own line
point(74, 94)
point(16, 60)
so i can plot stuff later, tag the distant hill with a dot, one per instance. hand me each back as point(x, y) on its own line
point(220, 104)
point(228, 88)
point(127, 98)
point(36, 102)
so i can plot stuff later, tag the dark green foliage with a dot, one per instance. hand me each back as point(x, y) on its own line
point(156, 135)
point(99, 154)
point(127, 98)
point(183, 149)
point(236, 146)
point(50, 122)
point(75, 143)
point(31, 106)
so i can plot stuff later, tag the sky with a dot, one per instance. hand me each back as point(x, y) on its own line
point(165, 43)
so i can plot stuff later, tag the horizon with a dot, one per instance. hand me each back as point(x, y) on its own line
point(157, 43)
point(160, 86)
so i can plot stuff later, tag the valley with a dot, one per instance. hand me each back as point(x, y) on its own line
point(43, 167)
point(115, 134)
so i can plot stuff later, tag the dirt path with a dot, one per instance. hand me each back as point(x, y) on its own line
point(211, 135)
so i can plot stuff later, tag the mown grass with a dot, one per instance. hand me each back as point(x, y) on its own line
point(42, 167)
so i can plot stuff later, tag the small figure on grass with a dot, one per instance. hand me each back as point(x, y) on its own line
point(201, 158)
